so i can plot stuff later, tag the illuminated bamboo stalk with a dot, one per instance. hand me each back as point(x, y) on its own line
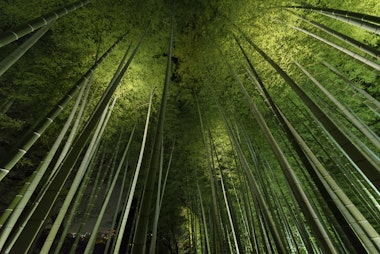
point(306, 206)
point(78, 179)
point(19, 203)
point(91, 241)
point(13, 57)
point(357, 44)
point(371, 170)
point(359, 125)
point(18, 32)
point(26, 144)
point(134, 182)
point(139, 240)
point(342, 49)
point(360, 20)
point(374, 104)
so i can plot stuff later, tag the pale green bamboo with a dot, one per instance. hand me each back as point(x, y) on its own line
point(13, 57)
point(364, 230)
point(18, 204)
point(134, 182)
point(152, 247)
point(78, 178)
point(18, 32)
point(301, 154)
point(218, 242)
point(166, 175)
point(342, 49)
point(359, 125)
point(353, 18)
point(17, 246)
point(208, 246)
point(119, 201)
point(344, 13)
point(97, 186)
point(139, 240)
point(7, 165)
point(308, 209)
point(375, 104)
point(256, 192)
point(74, 130)
point(357, 44)
point(58, 181)
point(227, 202)
point(77, 202)
point(91, 241)
point(369, 169)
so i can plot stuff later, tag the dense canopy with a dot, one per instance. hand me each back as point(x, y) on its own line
point(178, 126)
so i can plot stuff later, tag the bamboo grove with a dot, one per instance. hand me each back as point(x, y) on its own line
point(189, 126)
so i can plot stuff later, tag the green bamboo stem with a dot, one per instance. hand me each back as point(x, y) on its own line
point(364, 230)
point(301, 154)
point(13, 57)
point(77, 180)
point(134, 182)
point(207, 238)
point(256, 192)
point(6, 105)
point(308, 209)
point(153, 241)
point(91, 241)
point(97, 187)
point(344, 13)
point(357, 44)
point(58, 181)
point(26, 144)
point(360, 20)
point(77, 202)
point(370, 170)
point(19, 203)
point(18, 32)
point(119, 202)
point(139, 241)
point(374, 104)
point(359, 125)
point(342, 49)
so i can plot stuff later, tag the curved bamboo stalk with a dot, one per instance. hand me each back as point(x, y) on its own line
point(91, 241)
point(357, 19)
point(18, 32)
point(13, 57)
point(78, 178)
point(134, 182)
point(31, 227)
point(26, 144)
point(307, 208)
point(357, 44)
point(256, 192)
point(139, 241)
point(374, 104)
point(370, 170)
point(19, 203)
point(350, 14)
point(359, 125)
point(364, 230)
point(344, 50)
